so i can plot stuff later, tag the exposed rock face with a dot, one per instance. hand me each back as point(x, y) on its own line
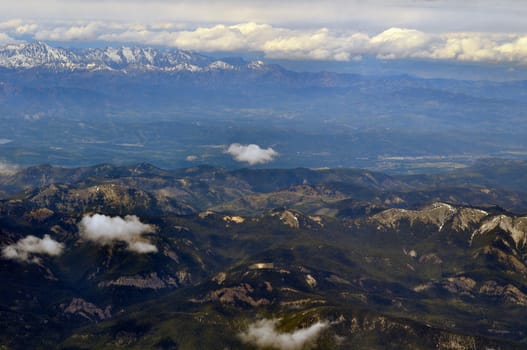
point(509, 293)
point(39, 214)
point(234, 219)
point(508, 260)
point(460, 285)
point(62, 198)
point(448, 341)
point(430, 258)
point(377, 323)
point(515, 226)
point(438, 214)
point(467, 218)
point(232, 295)
point(311, 281)
point(289, 219)
point(261, 266)
point(151, 281)
point(220, 277)
point(171, 254)
point(90, 311)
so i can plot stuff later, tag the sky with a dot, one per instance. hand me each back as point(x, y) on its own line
point(333, 30)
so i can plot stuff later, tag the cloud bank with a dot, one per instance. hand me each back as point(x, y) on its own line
point(106, 230)
point(252, 154)
point(263, 334)
point(286, 43)
point(26, 249)
point(6, 39)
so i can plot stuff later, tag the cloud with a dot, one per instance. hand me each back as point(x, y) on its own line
point(26, 248)
point(18, 27)
point(7, 168)
point(85, 32)
point(6, 39)
point(263, 334)
point(282, 42)
point(105, 230)
point(251, 154)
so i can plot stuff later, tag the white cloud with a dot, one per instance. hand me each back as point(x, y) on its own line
point(89, 31)
point(7, 168)
point(252, 154)
point(26, 248)
point(263, 334)
point(18, 27)
point(308, 43)
point(6, 39)
point(399, 42)
point(105, 230)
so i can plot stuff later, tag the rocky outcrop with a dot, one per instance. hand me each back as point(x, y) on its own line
point(233, 219)
point(151, 281)
point(39, 214)
point(466, 286)
point(430, 258)
point(507, 293)
point(460, 285)
point(289, 218)
point(438, 214)
point(507, 260)
point(88, 310)
point(516, 227)
point(232, 295)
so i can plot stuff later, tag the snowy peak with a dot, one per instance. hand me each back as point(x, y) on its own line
point(30, 55)
point(147, 58)
point(41, 55)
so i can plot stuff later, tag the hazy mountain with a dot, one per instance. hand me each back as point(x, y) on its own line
point(62, 106)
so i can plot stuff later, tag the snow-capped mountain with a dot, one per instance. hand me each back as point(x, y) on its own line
point(31, 55)
point(41, 55)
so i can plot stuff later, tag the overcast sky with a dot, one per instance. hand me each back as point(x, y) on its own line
point(427, 15)
point(471, 30)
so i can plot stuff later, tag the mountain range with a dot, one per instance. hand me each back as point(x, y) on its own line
point(41, 55)
point(141, 257)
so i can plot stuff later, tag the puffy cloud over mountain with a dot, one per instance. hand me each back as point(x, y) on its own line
point(26, 249)
point(105, 230)
point(263, 334)
point(252, 154)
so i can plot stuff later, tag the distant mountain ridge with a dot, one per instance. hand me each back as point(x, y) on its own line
point(41, 55)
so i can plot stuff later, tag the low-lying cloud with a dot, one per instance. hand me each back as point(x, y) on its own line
point(106, 230)
point(26, 249)
point(252, 154)
point(6, 39)
point(7, 168)
point(263, 334)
